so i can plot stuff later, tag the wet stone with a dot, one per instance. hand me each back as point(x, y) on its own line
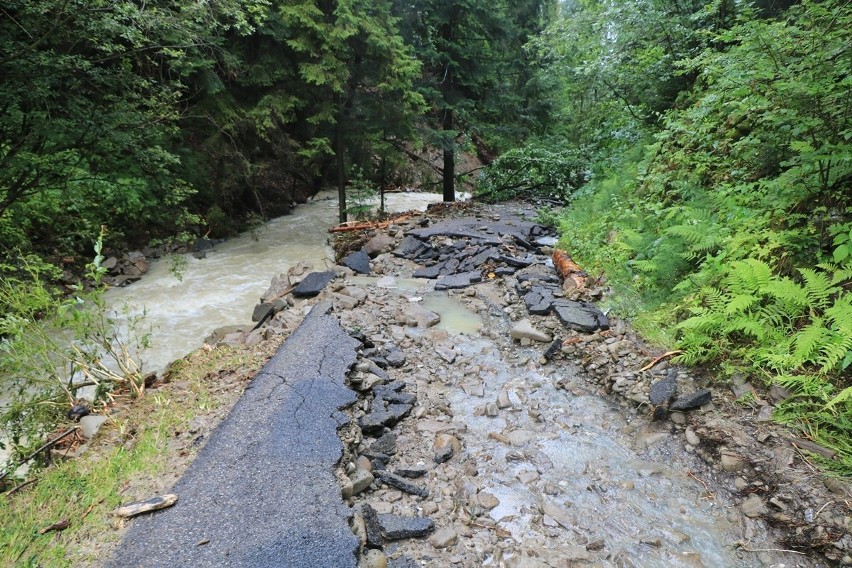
point(580, 316)
point(313, 284)
point(375, 421)
point(754, 507)
point(371, 522)
point(385, 445)
point(455, 281)
point(538, 301)
point(396, 527)
point(663, 391)
point(402, 484)
point(358, 261)
point(430, 272)
point(411, 472)
point(692, 401)
point(411, 248)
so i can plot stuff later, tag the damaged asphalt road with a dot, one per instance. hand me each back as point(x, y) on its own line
point(262, 490)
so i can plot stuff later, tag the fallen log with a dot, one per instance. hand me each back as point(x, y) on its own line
point(573, 277)
point(146, 506)
point(364, 225)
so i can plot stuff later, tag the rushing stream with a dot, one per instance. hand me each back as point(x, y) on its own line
point(223, 288)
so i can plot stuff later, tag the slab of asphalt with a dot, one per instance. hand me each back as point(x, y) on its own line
point(262, 492)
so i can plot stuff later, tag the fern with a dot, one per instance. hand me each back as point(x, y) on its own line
point(818, 287)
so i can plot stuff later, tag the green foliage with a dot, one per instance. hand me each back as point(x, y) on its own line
point(51, 346)
point(532, 172)
point(733, 228)
point(360, 195)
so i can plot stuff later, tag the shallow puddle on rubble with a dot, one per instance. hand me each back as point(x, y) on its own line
point(647, 513)
point(456, 318)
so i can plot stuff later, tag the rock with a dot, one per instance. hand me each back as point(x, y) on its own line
point(91, 424)
point(354, 292)
point(375, 421)
point(379, 244)
point(445, 447)
point(444, 537)
point(836, 486)
point(574, 552)
point(730, 461)
point(110, 263)
point(430, 272)
point(373, 558)
point(557, 513)
point(491, 410)
point(395, 357)
point(692, 401)
point(313, 284)
point(411, 472)
point(525, 329)
point(538, 300)
point(396, 527)
point(402, 484)
point(385, 445)
point(423, 317)
point(503, 400)
point(261, 312)
point(454, 281)
point(343, 302)
point(487, 501)
point(580, 316)
point(663, 391)
point(410, 248)
point(754, 507)
point(361, 480)
point(371, 524)
point(692, 438)
point(448, 355)
point(358, 261)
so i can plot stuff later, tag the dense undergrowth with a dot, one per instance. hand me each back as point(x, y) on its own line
point(724, 229)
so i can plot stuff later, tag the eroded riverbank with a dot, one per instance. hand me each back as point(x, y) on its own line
point(522, 455)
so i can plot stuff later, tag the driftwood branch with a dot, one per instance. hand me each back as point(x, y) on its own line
point(38, 451)
point(660, 358)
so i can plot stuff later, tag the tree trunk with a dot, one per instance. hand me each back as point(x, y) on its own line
point(449, 157)
point(341, 166)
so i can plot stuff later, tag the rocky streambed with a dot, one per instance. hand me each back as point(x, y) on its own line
point(502, 421)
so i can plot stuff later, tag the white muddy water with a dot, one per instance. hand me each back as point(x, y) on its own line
point(223, 288)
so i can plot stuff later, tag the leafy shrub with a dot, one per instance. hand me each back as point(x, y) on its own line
point(52, 346)
point(533, 172)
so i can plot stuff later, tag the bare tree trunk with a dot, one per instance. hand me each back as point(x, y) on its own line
point(449, 157)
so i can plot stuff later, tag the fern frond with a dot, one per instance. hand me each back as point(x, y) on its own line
point(834, 351)
point(740, 303)
point(749, 276)
point(844, 396)
point(818, 287)
point(839, 274)
point(788, 292)
point(747, 325)
point(807, 343)
point(840, 313)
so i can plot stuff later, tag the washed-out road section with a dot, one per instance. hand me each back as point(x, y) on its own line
point(262, 490)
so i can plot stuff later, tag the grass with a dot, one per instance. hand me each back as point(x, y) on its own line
point(138, 453)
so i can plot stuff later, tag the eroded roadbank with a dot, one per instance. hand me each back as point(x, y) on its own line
point(502, 422)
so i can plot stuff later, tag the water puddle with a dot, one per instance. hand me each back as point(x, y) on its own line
point(572, 475)
point(456, 318)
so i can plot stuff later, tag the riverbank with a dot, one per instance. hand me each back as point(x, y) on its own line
point(534, 443)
